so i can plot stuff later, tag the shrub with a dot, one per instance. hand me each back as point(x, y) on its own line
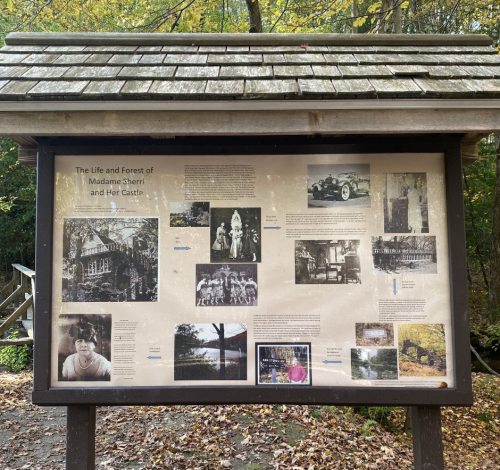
point(16, 358)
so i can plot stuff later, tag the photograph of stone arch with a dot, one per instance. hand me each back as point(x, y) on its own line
point(422, 350)
point(404, 255)
point(405, 203)
point(110, 259)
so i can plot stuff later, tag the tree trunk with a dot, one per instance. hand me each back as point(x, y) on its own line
point(398, 21)
point(354, 14)
point(222, 350)
point(407, 424)
point(255, 18)
point(494, 293)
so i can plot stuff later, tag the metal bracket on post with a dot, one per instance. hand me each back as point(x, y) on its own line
point(80, 438)
point(427, 438)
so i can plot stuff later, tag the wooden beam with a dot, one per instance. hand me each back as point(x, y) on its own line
point(242, 39)
point(26, 271)
point(10, 299)
point(241, 123)
point(17, 313)
point(80, 438)
point(427, 438)
point(9, 286)
point(16, 342)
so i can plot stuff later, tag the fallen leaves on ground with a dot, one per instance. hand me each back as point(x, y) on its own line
point(250, 437)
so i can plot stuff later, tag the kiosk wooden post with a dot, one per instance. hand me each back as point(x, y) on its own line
point(80, 437)
point(427, 438)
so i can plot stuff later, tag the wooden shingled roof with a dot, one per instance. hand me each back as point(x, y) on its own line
point(51, 67)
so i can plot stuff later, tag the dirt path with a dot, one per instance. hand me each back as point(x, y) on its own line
point(241, 437)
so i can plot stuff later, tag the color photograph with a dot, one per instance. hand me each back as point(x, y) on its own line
point(404, 255)
point(84, 352)
point(219, 285)
point(189, 214)
point(422, 350)
point(374, 334)
point(283, 363)
point(235, 235)
point(374, 364)
point(110, 259)
point(338, 185)
point(210, 351)
point(405, 203)
point(327, 262)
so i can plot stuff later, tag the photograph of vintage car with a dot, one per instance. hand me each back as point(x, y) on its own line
point(339, 185)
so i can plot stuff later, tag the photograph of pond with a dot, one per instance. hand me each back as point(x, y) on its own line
point(374, 334)
point(422, 350)
point(210, 351)
point(283, 363)
point(374, 364)
point(404, 254)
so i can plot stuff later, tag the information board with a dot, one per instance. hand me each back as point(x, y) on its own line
point(299, 270)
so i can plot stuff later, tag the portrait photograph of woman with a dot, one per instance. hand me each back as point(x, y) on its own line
point(85, 348)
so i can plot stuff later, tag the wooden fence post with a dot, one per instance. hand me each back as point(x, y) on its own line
point(427, 438)
point(80, 438)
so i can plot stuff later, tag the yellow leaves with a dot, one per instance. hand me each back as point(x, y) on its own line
point(374, 7)
point(360, 21)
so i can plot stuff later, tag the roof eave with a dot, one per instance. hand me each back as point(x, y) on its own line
point(245, 39)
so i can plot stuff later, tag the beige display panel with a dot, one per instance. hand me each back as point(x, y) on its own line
point(322, 270)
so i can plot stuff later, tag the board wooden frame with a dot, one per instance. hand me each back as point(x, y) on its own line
point(448, 144)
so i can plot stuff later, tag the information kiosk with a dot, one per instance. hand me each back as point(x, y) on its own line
point(231, 219)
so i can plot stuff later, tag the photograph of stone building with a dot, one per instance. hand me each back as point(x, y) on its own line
point(110, 259)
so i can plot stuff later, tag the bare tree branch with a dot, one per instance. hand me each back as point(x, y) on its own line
point(279, 17)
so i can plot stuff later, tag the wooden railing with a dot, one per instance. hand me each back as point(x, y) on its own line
point(23, 281)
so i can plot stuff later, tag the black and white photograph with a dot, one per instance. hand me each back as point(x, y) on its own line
point(84, 352)
point(189, 214)
point(210, 351)
point(283, 364)
point(110, 259)
point(327, 262)
point(405, 203)
point(338, 185)
point(219, 285)
point(235, 235)
point(407, 254)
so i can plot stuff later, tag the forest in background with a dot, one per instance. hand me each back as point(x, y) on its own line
point(481, 179)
